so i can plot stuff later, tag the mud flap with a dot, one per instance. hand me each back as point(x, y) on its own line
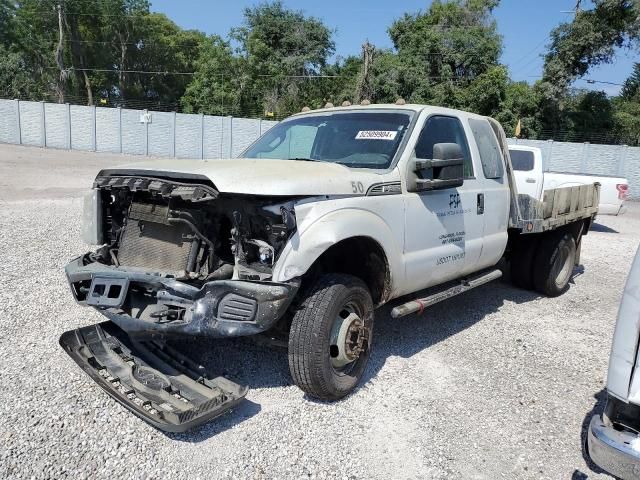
point(153, 380)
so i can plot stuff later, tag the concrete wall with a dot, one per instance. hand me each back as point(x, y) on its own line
point(179, 135)
point(116, 130)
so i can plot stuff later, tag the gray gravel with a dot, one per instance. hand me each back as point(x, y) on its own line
point(499, 383)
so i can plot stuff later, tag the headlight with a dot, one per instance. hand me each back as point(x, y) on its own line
point(92, 218)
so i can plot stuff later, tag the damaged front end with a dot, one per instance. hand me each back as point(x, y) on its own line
point(178, 257)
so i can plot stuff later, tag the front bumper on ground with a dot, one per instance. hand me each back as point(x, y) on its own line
point(617, 452)
point(221, 308)
point(152, 379)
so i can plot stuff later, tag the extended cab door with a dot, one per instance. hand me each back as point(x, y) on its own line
point(495, 191)
point(443, 228)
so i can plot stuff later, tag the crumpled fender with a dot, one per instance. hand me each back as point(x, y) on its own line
point(323, 224)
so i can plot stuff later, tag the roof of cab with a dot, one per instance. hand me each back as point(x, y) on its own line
point(372, 106)
point(413, 107)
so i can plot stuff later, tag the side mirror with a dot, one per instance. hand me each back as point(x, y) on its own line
point(443, 171)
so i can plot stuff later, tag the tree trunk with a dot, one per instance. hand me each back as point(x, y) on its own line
point(77, 50)
point(364, 91)
point(62, 77)
point(122, 77)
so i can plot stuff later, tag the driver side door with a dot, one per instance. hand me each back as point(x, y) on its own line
point(443, 228)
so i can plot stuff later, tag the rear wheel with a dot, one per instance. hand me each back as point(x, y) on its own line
point(330, 338)
point(554, 263)
point(522, 262)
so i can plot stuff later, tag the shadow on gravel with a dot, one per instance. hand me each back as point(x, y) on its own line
point(598, 227)
point(598, 408)
point(409, 335)
point(242, 412)
point(261, 366)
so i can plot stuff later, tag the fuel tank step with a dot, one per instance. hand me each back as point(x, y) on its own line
point(153, 380)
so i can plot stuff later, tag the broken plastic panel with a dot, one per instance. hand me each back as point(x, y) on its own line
point(153, 380)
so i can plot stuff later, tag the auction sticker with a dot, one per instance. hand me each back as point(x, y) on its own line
point(376, 135)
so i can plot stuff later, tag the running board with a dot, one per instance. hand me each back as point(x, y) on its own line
point(464, 285)
point(154, 381)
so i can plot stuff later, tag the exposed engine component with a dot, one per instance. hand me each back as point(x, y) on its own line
point(190, 231)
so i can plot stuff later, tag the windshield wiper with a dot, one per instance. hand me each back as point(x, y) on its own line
point(306, 159)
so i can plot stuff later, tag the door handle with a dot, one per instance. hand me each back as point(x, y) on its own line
point(530, 180)
point(480, 203)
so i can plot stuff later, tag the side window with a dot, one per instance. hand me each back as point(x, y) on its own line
point(440, 129)
point(490, 153)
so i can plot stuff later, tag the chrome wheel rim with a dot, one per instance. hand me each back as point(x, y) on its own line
point(562, 267)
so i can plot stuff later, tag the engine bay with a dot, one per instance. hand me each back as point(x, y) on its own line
point(186, 229)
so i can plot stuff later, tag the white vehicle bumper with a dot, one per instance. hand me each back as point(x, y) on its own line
point(617, 452)
point(611, 209)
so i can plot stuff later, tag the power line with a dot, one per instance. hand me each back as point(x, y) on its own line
point(588, 80)
point(116, 70)
point(264, 75)
point(524, 66)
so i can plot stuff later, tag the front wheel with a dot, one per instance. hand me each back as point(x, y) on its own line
point(330, 338)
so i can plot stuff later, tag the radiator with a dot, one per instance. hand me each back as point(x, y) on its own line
point(149, 241)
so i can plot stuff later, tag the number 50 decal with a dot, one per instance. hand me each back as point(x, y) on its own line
point(357, 187)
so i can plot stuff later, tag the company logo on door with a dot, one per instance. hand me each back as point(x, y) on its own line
point(455, 204)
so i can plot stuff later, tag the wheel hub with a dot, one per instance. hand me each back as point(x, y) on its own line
point(349, 339)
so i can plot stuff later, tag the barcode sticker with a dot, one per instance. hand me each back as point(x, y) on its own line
point(376, 135)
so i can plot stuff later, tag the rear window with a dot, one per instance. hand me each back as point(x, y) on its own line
point(490, 154)
point(521, 160)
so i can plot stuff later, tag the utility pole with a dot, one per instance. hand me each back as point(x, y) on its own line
point(363, 87)
point(59, 58)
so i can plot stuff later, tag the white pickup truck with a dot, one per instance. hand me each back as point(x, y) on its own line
point(328, 215)
point(531, 179)
point(614, 435)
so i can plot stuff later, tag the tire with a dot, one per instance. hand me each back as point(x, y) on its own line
point(312, 358)
point(554, 264)
point(522, 263)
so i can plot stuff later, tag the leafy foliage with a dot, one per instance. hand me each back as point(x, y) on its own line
point(119, 53)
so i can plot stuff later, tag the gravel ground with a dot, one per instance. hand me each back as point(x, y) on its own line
point(498, 383)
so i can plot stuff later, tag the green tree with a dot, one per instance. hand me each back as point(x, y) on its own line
point(626, 115)
point(16, 79)
point(590, 39)
point(442, 50)
point(631, 86)
point(215, 87)
point(590, 117)
point(279, 50)
point(487, 92)
point(7, 22)
point(520, 105)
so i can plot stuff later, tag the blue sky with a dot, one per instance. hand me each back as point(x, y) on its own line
point(524, 24)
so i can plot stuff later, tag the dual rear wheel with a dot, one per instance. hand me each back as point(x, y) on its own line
point(544, 264)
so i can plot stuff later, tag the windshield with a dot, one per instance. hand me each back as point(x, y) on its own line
point(354, 139)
